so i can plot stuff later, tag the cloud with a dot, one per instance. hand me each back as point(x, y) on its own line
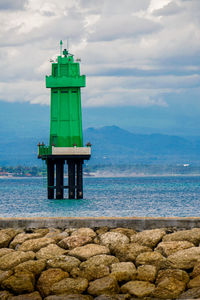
point(134, 53)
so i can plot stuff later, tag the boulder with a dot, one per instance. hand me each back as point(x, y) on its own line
point(149, 238)
point(183, 259)
point(129, 252)
point(66, 263)
point(19, 283)
point(150, 258)
point(105, 285)
point(4, 251)
point(123, 271)
point(4, 239)
point(138, 288)
point(5, 275)
point(44, 231)
point(113, 240)
point(102, 259)
point(190, 294)
point(146, 273)
point(126, 231)
point(49, 252)
point(57, 236)
point(192, 236)
point(170, 283)
point(12, 232)
point(5, 295)
point(70, 286)
point(196, 270)
point(33, 266)
point(168, 248)
point(173, 273)
point(15, 258)
point(88, 251)
point(84, 232)
point(48, 278)
point(102, 230)
point(31, 296)
point(195, 282)
point(72, 242)
point(91, 270)
point(36, 244)
point(22, 237)
point(113, 297)
point(69, 297)
point(169, 288)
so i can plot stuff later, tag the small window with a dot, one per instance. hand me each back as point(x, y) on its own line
point(55, 92)
point(64, 92)
point(74, 91)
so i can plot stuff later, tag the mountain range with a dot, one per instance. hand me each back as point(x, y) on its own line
point(23, 125)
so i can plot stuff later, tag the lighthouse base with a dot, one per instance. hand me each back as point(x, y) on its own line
point(55, 176)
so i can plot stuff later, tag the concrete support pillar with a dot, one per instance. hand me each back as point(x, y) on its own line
point(50, 178)
point(79, 179)
point(71, 179)
point(59, 178)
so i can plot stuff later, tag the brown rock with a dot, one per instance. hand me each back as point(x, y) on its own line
point(11, 231)
point(138, 288)
point(22, 237)
point(4, 275)
point(4, 251)
point(33, 266)
point(105, 285)
point(190, 294)
point(102, 230)
point(88, 251)
point(101, 259)
point(49, 252)
point(113, 297)
point(70, 286)
point(13, 259)
point(149, 238)
point(174, 273)
point(129, 252)
point(113, 240)
point(72, 242)
point(196, 270)
point(168, 248)
point(57, 236)
point(84, 231)
point(169, 288)
point(35, 244)
point(128, 232)
point(150, 258)
point(146, 273)
point(92, 271)
point(5, 295)
point(195, 282)
point(66, 263)
point(123, 271)
point(192, 236)
point(183, 259)
point(44, 231)
point(48, 278)
point(20, 282)
point(69, 297)
point(4, 239)
point(31, 296)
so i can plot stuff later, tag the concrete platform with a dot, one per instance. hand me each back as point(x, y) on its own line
point(138, 223)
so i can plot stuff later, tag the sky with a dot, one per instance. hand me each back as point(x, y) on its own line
point(141, 58)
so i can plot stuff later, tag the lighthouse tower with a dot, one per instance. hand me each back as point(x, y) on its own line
point(66, 136)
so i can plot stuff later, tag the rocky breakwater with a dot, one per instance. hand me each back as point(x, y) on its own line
point(99, 263)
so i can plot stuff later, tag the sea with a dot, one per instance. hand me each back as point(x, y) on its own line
point(138, 196)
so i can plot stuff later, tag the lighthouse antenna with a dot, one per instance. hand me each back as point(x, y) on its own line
point(61, 42)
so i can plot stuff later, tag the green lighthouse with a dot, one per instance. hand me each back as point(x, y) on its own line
point(66, 137)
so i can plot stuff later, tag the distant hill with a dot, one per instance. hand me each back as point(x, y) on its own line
point(22, 126)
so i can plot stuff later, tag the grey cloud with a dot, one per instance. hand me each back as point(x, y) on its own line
point(12, 4)
point(171, 8)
